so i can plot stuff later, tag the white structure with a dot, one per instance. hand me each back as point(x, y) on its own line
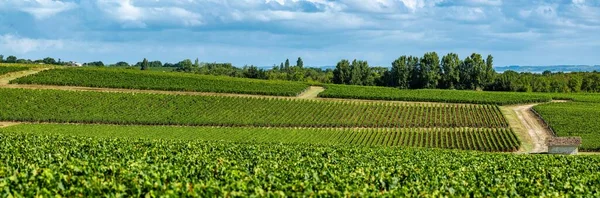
point(563, 145)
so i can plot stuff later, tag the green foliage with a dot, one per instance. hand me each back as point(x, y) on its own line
point(9, 69)
point(431, 95)
point(111, 78)
point(342, 73)
point(483, 139)
point(40, 165)
point(430, 71)
point(574, 119)
point(144, 65)
point(450, 64)
point(159, 109)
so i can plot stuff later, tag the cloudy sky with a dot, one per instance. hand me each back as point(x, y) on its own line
point(265, 32)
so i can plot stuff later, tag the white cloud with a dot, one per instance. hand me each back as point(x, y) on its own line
point(21, 45)
point(130, 15)
point(40, 9)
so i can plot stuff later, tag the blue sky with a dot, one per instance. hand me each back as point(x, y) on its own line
point(265, 32)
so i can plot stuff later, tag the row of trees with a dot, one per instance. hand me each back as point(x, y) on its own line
point(406, 72)
point(421, 72)
point(14, 59)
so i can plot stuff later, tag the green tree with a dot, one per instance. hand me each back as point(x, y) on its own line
point(196, 63)
point(281, 67)
point(122, 64)
point(430, 70)
point(49, 60)
point(300, 63)
point(400, 74)
point(1, 58)
point(11, 59)
point(464, 72)
point(575, 83)
point(450, 65)
point(287, 65)
point(144, 64)
point(478, 75)
point(415, 72)
point(489, 72)
point(341, 73)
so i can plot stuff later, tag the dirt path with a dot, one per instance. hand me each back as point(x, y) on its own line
point(311, 92)
point(532, 126)
point(7, 124)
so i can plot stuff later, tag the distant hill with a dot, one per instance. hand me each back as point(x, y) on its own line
point(552, 68)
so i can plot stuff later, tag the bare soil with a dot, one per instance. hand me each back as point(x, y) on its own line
point(7, 124)
point(533, 126)
point(311, 92)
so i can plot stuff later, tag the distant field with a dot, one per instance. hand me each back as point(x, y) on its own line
point(577, 97)
point(159, 109)
point(452, 138)
point(431, 95)
point(69, 166)
point(162, 69)
point(154, 80)
point(574, 119)
point(9, 69)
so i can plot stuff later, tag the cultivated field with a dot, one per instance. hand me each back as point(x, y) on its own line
point(483, 139)
point(153, 80)
point(83, 166)
point(431, 95)
point(574, 119)
point(9, 69)
point(357, 142)
point(159, 109)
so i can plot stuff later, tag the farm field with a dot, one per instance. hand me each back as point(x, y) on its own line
point(83, 166)
point(431, 95)
point(154, 80)
point(483, 139)
point(9, 69)
point(574, 119)
point(158, 109)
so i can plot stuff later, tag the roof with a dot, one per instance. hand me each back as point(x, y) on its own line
point(564, 141)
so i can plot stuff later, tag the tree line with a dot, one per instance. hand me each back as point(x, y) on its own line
point(474, 72)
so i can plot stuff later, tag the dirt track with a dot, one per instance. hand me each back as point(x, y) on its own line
point(7, 124)
point(533, 127)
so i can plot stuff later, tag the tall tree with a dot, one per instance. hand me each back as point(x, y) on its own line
point(450, 64)
point(490, 73)
point(400, 74)
point(299, 62)
point(144, 64)
point(415, 71)
point(341, 72)
point(478, 75)
point(287, 65)
point(281, 67)
point(430, 70)
point(1, 58)
point(355, 73)
point(465, 69)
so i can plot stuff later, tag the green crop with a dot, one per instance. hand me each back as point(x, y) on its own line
point(152, 80)
point(159, 109)
point(454, 138)
point(431, 95)
point(42, 165)
point(9, 69)
point(574, 119)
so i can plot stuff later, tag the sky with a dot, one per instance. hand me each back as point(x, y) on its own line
point(322, 32)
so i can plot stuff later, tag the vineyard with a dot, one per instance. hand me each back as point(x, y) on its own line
point(158, 109)
point(431, 95)
point(9, 69)
point(574, 119)
point(69, 166)
point(483, 139)
point(152, 80)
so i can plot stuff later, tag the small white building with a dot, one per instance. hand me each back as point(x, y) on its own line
point(563, 145)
